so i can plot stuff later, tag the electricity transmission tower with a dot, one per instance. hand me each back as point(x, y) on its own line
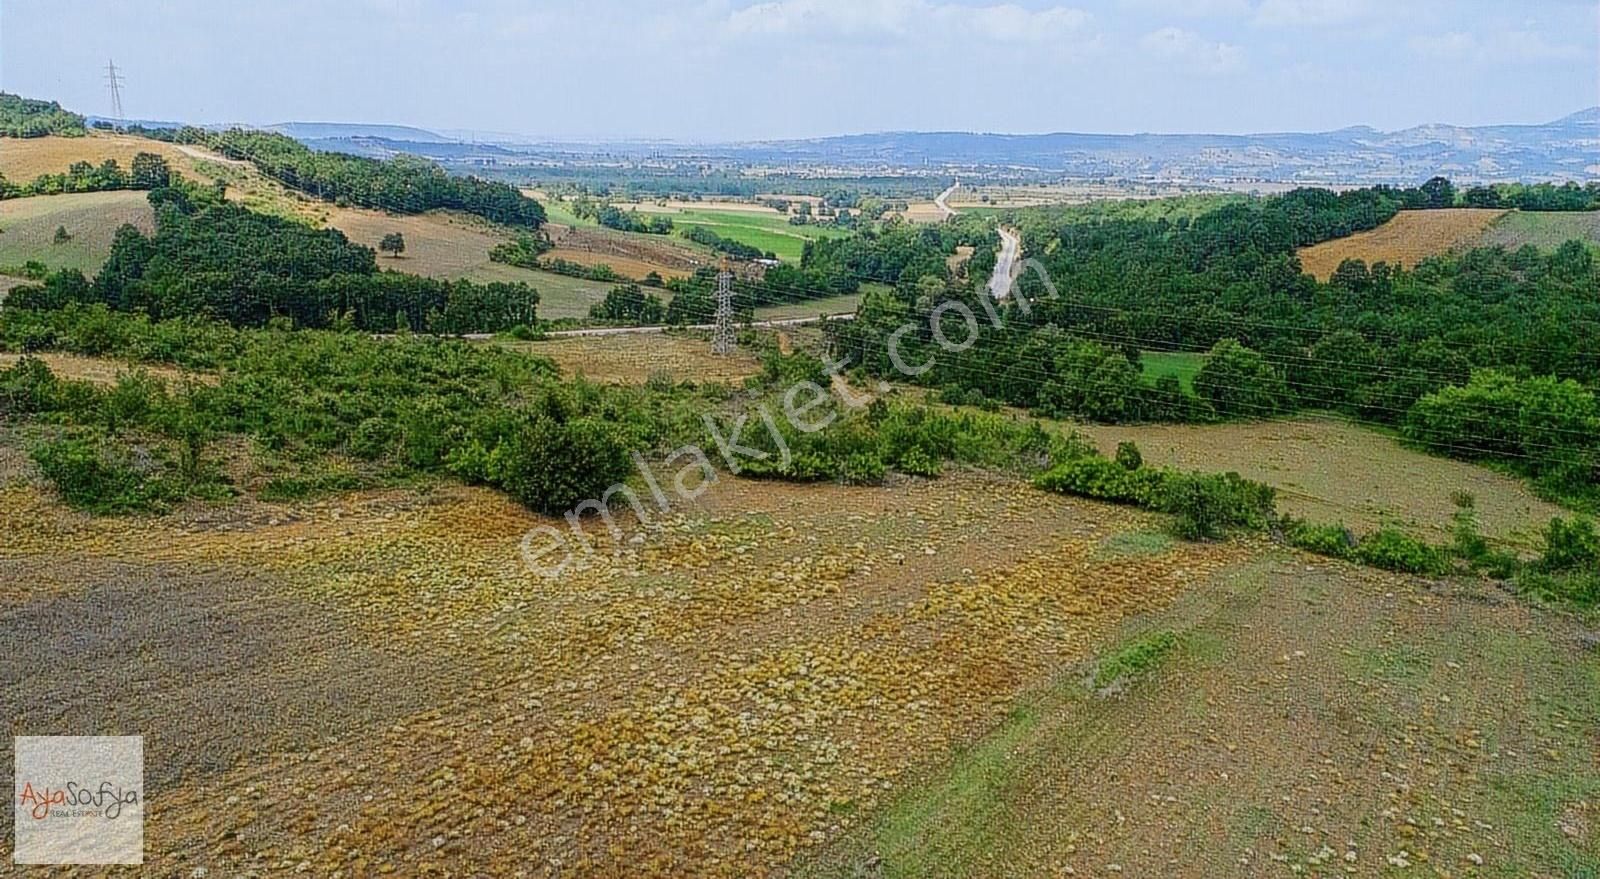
point(114, 83)
point(723, 340)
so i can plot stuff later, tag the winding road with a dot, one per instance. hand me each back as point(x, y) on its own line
point(1005, 264)
point(944, 206)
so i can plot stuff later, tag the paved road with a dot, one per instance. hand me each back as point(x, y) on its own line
point(1005, 264)
point(943, 206)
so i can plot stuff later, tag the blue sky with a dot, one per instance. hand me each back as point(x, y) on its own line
point(726, 70)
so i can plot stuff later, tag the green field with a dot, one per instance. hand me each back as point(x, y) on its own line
point(810, 307)
point(765, 230)
point(769, 232)
point(559, 295)
point(28, 226)
point(1546, 231)
point(1185, 365)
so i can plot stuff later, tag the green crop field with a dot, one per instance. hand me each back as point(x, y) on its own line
point(1183, 364)
point(1546, 231)
point(768, 231)
point(559, 295)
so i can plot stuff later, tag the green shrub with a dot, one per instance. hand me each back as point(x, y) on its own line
point(1098, 478)
point(28, 388)
point(1129, 456)
point(295, 488)
point(1581, 589)
point(1334, 541)
point(551, 466)
point(1570, 546)
point(1135, 659)
point(917, 462)
point(1394, 550)
point(863, 468)
point(1208, 506)
point(371, 439)
point(102, 478)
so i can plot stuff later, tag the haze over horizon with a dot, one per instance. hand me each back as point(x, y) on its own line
point(797, 68)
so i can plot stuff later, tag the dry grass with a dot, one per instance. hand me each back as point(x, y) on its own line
point(1408, 239)
point(23, 160)
point(1331, 471)
point(633, 358)
point(102, 371)
point(91, 218)
point(641, 253)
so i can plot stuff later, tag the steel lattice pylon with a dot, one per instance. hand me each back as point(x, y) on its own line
point(723, 340)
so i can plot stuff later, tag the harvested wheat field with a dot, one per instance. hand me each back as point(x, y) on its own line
point(1330, 470)
point(21, 160)
point(375, 684)
point(1406, 240)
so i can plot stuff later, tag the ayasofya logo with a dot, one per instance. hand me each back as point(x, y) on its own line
point(76, 800)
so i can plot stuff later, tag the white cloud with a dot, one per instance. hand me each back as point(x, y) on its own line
point(1508, 47)
point(1312, 13)
point(1531, 46)
point(1452, 46)
point(908, 20)
point(1191, 8)
point(1192, 50)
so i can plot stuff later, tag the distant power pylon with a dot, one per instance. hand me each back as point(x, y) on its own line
point(723, 340)
point(114, 83)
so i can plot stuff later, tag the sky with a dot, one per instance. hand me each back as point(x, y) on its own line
point(717, 70)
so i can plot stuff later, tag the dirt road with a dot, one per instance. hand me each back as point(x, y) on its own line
point(1005, 265)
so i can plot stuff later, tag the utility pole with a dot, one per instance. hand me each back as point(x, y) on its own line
point(114, 83)
point(723, 340)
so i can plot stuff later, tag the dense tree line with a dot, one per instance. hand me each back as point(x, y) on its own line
point(735, 249)
point(613, 217)
point(148, 171)
point(630, 305)
point(404, 184)
point(1373, 342)
point(523, 251)
point(215, 259)
point(25, 117)
point(1540, 197)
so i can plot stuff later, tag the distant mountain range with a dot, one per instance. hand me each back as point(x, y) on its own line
point(1566, 149)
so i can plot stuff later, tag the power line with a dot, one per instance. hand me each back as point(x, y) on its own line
point(114, 82)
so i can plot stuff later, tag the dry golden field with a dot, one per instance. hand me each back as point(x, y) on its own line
point(632, 358)
point(1406, 240)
